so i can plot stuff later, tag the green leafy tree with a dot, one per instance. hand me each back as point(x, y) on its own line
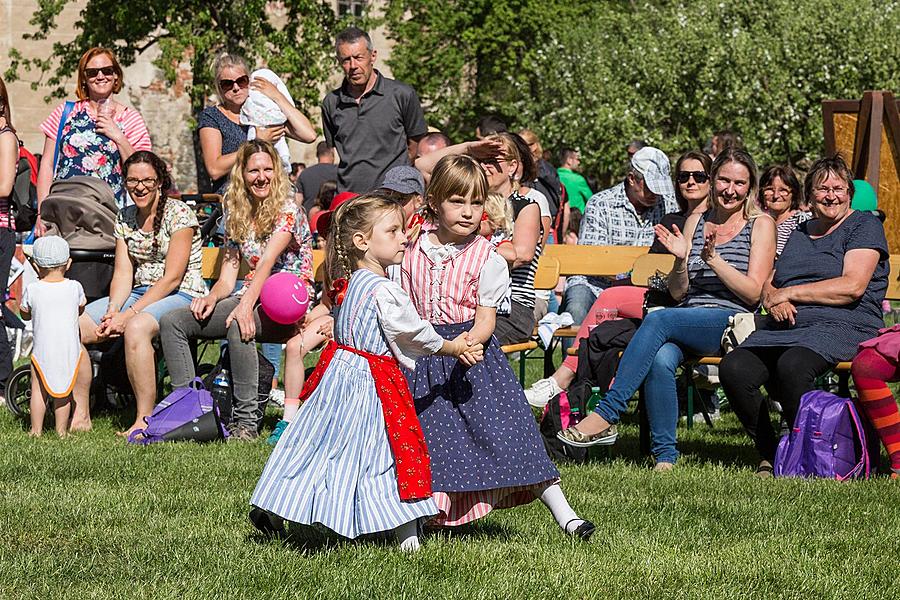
point(291, 37)
point(595, 74)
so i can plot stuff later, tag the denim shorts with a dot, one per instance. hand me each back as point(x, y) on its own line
point(96, 309)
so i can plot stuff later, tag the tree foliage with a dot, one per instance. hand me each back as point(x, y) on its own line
point(291, 37)
point(596, 73)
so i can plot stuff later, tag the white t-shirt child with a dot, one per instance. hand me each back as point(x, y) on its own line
point(54, 308)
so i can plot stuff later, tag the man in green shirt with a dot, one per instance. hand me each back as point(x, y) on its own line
point(577, 189)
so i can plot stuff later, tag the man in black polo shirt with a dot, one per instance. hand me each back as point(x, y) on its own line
point(374, 122)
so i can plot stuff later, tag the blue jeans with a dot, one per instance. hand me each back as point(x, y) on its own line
point(272, 352)
point(177, 299)
point(651, 358)
point(577, 301)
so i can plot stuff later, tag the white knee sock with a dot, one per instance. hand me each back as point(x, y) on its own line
point(555, 500)
point(291, 406)
point(408, 536)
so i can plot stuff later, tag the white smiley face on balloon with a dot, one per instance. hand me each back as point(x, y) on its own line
point(304, 296)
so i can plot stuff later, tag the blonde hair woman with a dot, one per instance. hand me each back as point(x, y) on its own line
point(264, 229)
point(722, 260)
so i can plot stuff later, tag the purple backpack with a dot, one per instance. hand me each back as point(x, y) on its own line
point(188, 413)
point(828, 440)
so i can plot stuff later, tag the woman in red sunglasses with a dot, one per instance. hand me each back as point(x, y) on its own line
point(95, 135)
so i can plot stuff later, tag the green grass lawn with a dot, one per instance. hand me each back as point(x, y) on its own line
point(90, 517)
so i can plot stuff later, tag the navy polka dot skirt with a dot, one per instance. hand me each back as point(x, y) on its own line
point(480, 431)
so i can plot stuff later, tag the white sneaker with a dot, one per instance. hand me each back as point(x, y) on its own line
point(714, 416)
point(543, 390)
point(276, 397)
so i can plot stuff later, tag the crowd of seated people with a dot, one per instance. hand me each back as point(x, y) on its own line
point(787, 246)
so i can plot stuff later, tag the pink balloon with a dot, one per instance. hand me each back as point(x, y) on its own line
point(284, 298)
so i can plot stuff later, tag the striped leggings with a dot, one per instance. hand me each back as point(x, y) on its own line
point(870, 372)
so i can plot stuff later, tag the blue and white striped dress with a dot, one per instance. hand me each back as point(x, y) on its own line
point(333, 465)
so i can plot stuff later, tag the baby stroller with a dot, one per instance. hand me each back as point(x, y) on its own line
point(81, 210)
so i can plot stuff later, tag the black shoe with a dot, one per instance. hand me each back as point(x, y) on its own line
point(266, 522)
point(583, 531)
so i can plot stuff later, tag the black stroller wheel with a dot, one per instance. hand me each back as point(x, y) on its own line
point(18, 392)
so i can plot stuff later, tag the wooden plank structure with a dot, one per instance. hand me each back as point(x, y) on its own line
point(867, 132)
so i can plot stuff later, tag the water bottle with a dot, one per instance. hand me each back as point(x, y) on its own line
point(595, 399)
point(221, 393)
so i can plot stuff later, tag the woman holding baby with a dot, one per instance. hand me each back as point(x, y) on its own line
point(221, 131)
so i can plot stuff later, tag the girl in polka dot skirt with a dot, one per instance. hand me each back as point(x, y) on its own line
point(486, 451)
point(354, 458)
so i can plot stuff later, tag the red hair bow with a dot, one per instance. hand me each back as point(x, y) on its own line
point(338, 291)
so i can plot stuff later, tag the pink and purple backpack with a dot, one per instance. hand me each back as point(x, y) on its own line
point(188, 413)
point(829, 439)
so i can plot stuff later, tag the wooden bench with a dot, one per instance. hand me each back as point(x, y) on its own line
point(545, 278)
point(596, 261)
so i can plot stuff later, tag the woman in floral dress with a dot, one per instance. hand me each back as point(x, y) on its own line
point(97, 134)
point(264, 228)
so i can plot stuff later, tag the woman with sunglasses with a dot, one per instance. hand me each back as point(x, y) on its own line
point(722, 260)
point(157, 269)
point(781, 198)
point(98, 134)
point(692, 193)
point(823, 300)
point(221, 132)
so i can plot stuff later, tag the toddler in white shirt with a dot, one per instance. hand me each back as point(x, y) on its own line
point(54, 304)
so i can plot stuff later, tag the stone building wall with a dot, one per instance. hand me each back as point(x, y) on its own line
point(165, 107)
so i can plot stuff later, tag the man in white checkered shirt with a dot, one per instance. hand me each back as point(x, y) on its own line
point(623, 215)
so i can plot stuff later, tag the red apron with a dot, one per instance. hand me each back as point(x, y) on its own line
point(403, 429)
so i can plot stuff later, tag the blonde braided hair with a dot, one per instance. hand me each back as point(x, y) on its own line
point(357, 215)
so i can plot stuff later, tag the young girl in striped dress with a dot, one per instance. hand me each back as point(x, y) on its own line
point(354, 458)
point(485, 448)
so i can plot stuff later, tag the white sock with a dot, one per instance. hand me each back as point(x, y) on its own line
point(555, 500)
point(291, 406)
point(408, 536)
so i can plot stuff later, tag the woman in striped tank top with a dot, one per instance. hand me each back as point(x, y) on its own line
point(354, 458)
point(485, 448)
point(722, 260)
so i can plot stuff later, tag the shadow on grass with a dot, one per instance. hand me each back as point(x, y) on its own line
point(311, 539)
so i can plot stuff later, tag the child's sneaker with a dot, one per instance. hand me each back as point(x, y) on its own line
point(276, 433)
point(542, 391)
point(276, 397)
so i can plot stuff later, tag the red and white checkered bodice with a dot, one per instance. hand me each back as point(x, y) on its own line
point(446, 291)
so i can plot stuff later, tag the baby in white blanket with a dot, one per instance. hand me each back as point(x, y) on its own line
point(261, 111)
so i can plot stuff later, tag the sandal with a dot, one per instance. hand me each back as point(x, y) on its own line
point(765, 470)
point(573, 437)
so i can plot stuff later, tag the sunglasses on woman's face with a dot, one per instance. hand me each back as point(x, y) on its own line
point(242, 81)
point(699, 176)
point(92, 72)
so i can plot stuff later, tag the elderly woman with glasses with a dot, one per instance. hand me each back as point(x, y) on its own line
point(781, 197)
point(95, 135)
point(823, 299)
point(221, 132)
point(157, 269)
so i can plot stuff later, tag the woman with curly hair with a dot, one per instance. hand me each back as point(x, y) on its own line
point(157, 269)
point(264, 228)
